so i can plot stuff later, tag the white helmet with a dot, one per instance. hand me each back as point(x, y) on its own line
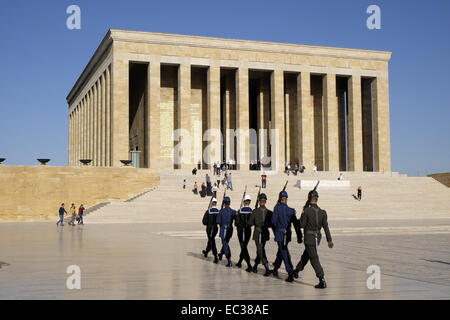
point(214, 200)
point(247, 198)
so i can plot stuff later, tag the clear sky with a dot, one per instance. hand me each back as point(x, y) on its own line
point(40, 60)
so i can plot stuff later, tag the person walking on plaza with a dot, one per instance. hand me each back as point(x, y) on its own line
point(283, 217)
point(61, 215)
point(244, 232)
point(73, 215)
point(195, 188)
point(359, 193)
point(225, 220)
point(230, 183)
point(261, 219)
point(208, 186)
point(263, 180)
point(184, 184)
point(218, 179)
point(312, 220)
point(214, 190)
point(80, 214)
point(210, 221)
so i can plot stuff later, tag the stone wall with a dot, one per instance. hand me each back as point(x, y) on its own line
point(443, 178)
point(30, 193)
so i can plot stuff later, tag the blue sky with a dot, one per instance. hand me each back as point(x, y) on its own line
point(40, 60)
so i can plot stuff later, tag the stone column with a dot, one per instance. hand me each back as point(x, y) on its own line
point(75, 129)
point(367, 142)
point(331, 133)
point(94, 127)
point(152, 132)
point(185, 143)
point(213, 116)
point(260, 121)
point(102, 123)
point(278, 124)
point(355, 158)
point(120, 108)
point(70, 141)
point(229, 117)
point(242, 120)
point(381, 125)
point(108, 119)
point(306, 115)
point(287, 129)
point(82, 116)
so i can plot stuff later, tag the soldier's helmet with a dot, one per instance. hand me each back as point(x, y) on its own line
point(262, 196)
point(214, 200)
point(283, 194)
point(247, 198)
point(227, 200)
point(313, 194)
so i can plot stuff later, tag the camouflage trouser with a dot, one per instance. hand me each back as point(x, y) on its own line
point(260, 252)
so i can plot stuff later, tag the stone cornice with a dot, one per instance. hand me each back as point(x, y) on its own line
point(247, 45)
point(217, 43)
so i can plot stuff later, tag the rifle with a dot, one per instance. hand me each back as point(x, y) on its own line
point(223, 199)
point(284, 189)
point(308, 202)
point(257, 198)
point(210, 202)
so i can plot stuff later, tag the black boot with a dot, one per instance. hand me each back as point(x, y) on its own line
point(249, 267)
point(216, 260)
point(205, 253)
point(239, 264)
point(275, 272)
point(255, 268)
point(322, 284)
point(220, 256)
point(296, 271)
point(228, 263)
point(290, 278)
point(268, 272)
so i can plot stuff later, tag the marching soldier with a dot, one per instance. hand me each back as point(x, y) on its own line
point(225, 220)
point(261, 218)
point(244, 232)
point(312, 220)
point(282, 218)
point(210, 221)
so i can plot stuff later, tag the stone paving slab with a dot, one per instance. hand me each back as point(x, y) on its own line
point(143, 261)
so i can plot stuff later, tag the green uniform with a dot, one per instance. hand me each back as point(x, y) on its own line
point(261, 219)
point(313, 219)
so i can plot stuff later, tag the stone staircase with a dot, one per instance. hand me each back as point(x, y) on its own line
point(384, 196)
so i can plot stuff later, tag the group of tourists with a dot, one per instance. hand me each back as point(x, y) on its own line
point(212, 184)
point(261, 219)
point(75, 215)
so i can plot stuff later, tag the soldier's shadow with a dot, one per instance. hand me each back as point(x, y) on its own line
point(281, 275)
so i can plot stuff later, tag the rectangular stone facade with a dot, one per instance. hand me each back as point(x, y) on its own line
point(183, 100)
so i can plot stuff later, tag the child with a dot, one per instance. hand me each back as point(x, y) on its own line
point(74, 215)
point(184, 184)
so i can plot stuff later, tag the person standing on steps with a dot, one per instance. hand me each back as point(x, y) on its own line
point(61, 215)
point(261, 219)
point(80, 214)
point(73, 215)
point(244, 232)
point(312, 220)
point(283, 217)
point(263, 180)
point(225, 220)
point(210, 221)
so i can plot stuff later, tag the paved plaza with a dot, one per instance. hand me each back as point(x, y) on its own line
point(164, 261)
